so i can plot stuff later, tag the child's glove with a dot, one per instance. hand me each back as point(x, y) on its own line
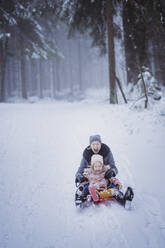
point(119, 186)
point(109, 173)
point(116, 182)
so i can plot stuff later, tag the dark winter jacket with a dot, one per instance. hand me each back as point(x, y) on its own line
point(107, 158)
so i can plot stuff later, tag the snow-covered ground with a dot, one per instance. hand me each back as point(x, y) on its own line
point(40, 150)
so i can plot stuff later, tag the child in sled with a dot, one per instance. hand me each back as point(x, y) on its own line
point(101, 188)
point(98, 185)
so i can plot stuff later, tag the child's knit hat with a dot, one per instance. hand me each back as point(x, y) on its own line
point(96, 158)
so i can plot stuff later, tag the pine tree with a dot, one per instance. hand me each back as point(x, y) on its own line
point(22, 19)
point(144, 30)
point(96, 19)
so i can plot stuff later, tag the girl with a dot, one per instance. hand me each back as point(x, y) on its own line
point(98, 185)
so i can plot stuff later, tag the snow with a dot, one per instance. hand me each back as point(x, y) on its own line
point(40, 150)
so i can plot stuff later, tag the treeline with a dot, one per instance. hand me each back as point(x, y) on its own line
point(36, 59)
point(63, 76)
point(144, 33)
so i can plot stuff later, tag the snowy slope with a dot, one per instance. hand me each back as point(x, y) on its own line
point(40, 150)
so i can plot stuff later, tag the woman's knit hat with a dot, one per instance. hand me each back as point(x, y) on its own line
point(96, 158)
point(94, 138)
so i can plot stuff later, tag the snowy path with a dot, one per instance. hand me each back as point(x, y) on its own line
point(40, 150)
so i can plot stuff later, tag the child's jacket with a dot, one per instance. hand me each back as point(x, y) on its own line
point(96, 179)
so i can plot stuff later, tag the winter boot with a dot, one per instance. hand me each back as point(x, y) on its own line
point(79, 199)
point(128, 197)
point(94, 193)
point(125, 199)
point(120, 197)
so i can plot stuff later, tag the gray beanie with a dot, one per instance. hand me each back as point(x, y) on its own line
point(94, 138)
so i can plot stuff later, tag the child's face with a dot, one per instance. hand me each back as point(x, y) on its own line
point(97, 166)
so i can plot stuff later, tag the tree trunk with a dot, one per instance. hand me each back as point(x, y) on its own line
point(9, 72)
point(33, 81)
point(53, 79)
point(41, 79)
point(23, 70)
point(4, 47)
point(79, 65)
point(2, 95)
point(38, 77)
point(23, 78)
point(111, 52)
point(57, 66)
point(70, 68)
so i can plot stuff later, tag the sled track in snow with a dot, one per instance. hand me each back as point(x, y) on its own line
point(37, 184)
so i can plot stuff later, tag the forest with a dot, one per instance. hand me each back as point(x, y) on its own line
point(59, 48)
point(71, 70)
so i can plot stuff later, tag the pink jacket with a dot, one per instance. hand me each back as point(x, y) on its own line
point(96, 179)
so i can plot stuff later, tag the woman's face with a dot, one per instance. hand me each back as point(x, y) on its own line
point(96, 146)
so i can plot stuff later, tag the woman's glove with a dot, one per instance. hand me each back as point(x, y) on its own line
point(109, 173)
point(80, 178)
